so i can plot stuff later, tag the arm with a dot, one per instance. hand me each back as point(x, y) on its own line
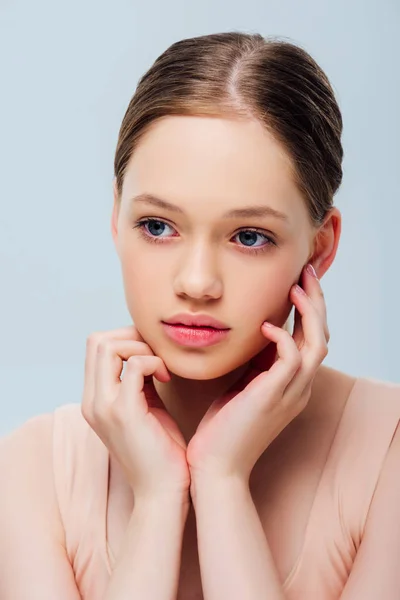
point(33, 559)
point(235, 559)
point(148, 564)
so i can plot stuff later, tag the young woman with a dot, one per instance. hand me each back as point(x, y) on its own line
point(225, 461)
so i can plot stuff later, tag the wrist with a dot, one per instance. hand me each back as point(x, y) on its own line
point(209, 486)
point(162, 503)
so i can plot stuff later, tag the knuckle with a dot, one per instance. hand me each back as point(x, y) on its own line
point(323, 351)
point(104, 345)
point(144, 348)
point(288, 338)
point(93, 339)
point(133, 361)
point(327, 334)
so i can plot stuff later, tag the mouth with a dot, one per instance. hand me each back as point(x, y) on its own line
point(195, 326)
point(197, 321)
point(194, 335)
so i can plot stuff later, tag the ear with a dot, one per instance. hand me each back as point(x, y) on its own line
point(115, 214)
point(326, 242)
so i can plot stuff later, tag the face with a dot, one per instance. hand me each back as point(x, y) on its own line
point(238, 270)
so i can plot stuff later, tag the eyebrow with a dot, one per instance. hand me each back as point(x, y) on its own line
point(249, 211)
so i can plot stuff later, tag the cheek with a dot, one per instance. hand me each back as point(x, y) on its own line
point(265, 299)
point(269, 302)
point(139, 270)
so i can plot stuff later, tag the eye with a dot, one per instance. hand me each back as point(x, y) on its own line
point(154, 225)
point(157, 226)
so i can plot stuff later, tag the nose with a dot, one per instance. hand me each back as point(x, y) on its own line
point(198, 276)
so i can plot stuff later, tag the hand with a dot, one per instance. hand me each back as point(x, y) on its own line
point(240, 425)
point(129, 416)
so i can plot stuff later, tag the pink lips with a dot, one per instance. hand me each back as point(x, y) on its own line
point(195, 336)
point(195, 320)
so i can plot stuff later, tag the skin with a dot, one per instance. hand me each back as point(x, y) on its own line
point(207, 166)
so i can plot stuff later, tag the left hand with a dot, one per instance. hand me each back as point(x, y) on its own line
point(241, 424)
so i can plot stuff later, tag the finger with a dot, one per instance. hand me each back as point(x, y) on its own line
point(298, 333)
point(131, 395)
point(312, 287)
point(284, 368)
point(109, 362)
point(315, 348)
point(92, 342)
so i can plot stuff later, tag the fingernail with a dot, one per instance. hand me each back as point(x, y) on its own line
point(267, 324)
point(299, 289)
point(310, 269)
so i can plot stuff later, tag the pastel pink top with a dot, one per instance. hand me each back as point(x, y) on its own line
point(337, 518)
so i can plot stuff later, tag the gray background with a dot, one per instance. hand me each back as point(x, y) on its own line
point(68, 71)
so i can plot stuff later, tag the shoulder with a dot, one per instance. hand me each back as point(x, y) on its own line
point(332, 384)
point(331, 377)
point(331, 390)
point(380, 398)
point(34, 434)
point(338, 396)
point(35, 438)
point(26, 470)
point(366, 408)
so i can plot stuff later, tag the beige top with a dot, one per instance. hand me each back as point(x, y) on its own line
point(336, 522)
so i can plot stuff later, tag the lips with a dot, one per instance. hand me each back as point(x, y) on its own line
point(199, 337)
point(195, 326)
point(196, 321)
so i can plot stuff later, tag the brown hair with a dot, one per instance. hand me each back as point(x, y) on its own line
point(246, 76)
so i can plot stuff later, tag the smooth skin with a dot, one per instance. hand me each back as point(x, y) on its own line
point(198, 260)
point(235, 558)
point(147, 444)
point(152, 452)
point(239, 426)
point(205, 166)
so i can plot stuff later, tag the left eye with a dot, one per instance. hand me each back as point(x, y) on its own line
point(156, 225)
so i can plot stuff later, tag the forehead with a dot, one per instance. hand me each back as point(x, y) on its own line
point(218, 163)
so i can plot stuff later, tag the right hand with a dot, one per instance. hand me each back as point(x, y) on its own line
point(128, 415)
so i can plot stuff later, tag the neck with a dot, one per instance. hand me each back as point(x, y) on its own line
point(187, 400)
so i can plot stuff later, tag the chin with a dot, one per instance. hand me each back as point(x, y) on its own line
point(196, 369)
point(200, 368)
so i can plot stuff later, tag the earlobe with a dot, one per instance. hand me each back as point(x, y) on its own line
point(327, 242)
